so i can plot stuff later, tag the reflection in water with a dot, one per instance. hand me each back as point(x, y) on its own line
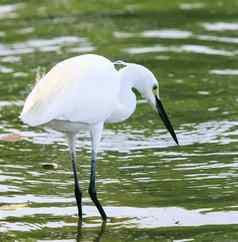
point(132, 139)
point(98, 235)
point(152, 217)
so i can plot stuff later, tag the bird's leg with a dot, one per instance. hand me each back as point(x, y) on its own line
point(101, 232)
point(96, 132)
point(77, 191)
point(92, 190)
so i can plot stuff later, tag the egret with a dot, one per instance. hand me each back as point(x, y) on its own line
point(85, 92)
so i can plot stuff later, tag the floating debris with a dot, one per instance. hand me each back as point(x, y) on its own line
point(49, 166)
point(11, 137)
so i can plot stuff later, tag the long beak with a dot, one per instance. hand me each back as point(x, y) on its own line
point(165, 118)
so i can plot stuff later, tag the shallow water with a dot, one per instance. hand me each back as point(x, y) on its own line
point(151, 189)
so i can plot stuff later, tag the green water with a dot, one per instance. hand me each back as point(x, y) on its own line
point(151, 189)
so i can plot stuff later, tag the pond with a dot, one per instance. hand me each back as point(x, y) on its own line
point(151, 189)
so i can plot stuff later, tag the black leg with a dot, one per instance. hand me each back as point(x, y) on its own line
point(92, 190)
point(96, 133)
point(100, 234)
point(77, 192)
point(79, 232)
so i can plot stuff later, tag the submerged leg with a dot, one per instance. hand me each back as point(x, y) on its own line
point(96, 132)
point(92, 190)
point(77, 191)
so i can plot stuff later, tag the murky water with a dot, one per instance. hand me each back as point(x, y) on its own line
point(151, 189)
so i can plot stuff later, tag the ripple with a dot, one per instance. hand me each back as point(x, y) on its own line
point(131, 139)
point(25, 30)
point(17, 226)
point(37, 43)
point(152, 217)
point(11, 59)
point(8, 188)
point(152, 49)
point(197, 49)
point(175, 34)
point(230, 40)
point(204, 177)
point(8, 178)
point(122, 35)
point(191, 6)
point(84, 49)
point(28, 198)
point(9, 10)
point(220, 26)
point(4, 69)
point(201, 49)
point(204, 93)
point(225, 72)
point(138, 157)
point(213, 109)
point(4, 104)
point(162, 33)
point(168, 34)
point(206, 166)
point(43, 45)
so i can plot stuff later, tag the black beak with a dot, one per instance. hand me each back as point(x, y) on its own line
point(165, 119)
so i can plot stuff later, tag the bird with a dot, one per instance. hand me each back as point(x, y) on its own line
point(86, 92)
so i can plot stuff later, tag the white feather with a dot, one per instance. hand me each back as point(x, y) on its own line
point(80, 89)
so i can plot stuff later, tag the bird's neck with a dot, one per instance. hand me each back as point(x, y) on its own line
point(126, 102)
point(127, 78)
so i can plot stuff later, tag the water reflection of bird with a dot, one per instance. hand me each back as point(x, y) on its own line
point(84, 92)
point(98, 236)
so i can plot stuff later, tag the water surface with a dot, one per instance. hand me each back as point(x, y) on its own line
point(151, 189)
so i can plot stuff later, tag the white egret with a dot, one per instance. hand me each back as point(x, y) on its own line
point(87, 91)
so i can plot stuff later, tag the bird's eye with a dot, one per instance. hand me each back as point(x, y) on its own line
point(155, 88)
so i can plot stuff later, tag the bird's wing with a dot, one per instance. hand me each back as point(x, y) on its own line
point(82, 89)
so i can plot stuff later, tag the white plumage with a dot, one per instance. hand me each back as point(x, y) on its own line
point(87, 91)
point(73, 90)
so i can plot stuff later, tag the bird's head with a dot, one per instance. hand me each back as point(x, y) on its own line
point(145, 82)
